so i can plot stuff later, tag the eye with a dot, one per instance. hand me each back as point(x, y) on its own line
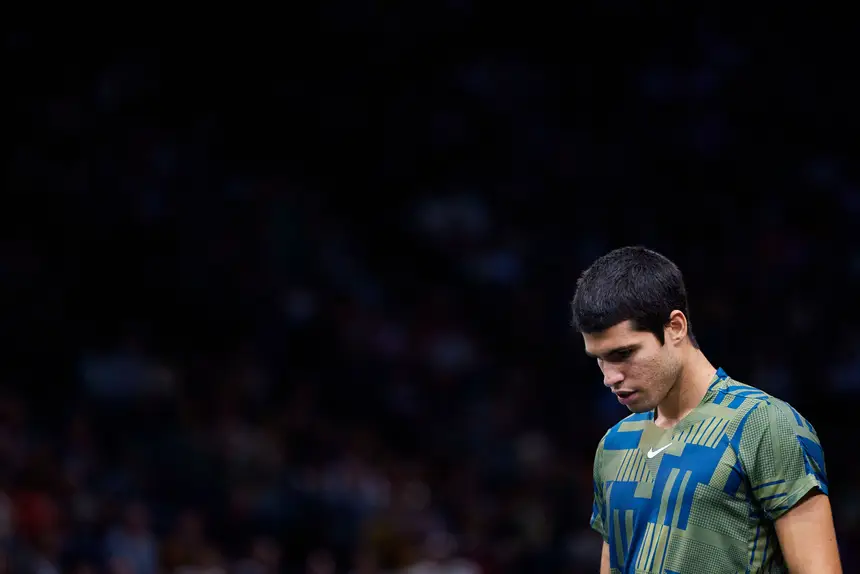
point(620, 355)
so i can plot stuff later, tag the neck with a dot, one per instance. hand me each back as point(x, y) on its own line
point(693, 381)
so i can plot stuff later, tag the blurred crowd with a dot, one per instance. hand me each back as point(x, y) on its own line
point(314, 319)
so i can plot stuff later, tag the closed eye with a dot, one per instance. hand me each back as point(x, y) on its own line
point(620, 355)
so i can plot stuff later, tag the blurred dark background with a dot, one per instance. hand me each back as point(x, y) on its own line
point(294, 297)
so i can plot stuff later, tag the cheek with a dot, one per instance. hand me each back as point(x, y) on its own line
point(648, 371)
point(638, 373)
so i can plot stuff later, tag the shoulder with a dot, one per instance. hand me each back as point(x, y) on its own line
point(771, 438)
point(777, 449)
point(752, 410)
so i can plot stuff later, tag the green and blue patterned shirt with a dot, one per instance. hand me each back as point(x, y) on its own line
point(702, 496)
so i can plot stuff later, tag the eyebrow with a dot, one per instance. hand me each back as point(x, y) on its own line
point(613, 351)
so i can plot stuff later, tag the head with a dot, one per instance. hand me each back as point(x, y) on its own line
point(631, 308)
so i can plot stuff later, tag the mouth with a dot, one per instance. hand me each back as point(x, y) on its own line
point(626, 397)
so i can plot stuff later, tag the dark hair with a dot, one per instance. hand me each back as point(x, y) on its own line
point(630, 283)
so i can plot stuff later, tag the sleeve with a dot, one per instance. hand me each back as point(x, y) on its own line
point(781, 456)
point(598, 507)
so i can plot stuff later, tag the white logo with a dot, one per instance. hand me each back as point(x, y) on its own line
point(653, 453)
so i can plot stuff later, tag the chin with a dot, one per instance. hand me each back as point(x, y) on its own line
point(636, 409)
point(640, 407)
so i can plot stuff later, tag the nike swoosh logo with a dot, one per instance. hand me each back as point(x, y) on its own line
point(653, 453)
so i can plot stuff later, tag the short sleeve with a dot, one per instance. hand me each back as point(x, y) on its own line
point(598, 507)
point(782, 457)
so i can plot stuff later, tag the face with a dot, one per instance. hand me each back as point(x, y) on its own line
point(636, 367)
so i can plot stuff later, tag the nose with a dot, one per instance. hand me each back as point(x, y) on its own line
point(612, 375)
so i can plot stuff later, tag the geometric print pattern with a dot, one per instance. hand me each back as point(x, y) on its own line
point(707, 500)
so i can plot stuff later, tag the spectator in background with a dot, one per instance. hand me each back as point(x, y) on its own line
point(130, 545)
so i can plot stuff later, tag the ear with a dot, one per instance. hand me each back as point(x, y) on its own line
point(676, 328)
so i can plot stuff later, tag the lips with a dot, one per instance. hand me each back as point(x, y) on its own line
point(625, 397)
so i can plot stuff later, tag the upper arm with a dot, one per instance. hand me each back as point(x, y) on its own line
point(807, 536)
point(604, 559)
point(598, 507)
point(782, 458)
point(784, 462)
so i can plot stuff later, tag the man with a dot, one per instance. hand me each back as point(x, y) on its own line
point(707, 474)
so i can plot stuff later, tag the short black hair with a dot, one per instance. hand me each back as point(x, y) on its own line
point(630, 283)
